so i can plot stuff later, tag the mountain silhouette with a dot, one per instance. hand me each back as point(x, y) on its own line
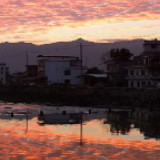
point(14, 54)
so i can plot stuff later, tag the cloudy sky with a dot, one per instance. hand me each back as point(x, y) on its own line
point(48, 21)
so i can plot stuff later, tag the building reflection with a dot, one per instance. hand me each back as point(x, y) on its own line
point(120, 122)
point(146, 120)
point(68, 118)
point(19, 117)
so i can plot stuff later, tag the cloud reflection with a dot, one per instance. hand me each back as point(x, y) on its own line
point(62, 142)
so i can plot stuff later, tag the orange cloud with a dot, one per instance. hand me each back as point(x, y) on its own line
point(38, 17)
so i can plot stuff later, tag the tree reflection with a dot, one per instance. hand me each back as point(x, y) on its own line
point(120, 128)
point(145, 120)
point(118, 123)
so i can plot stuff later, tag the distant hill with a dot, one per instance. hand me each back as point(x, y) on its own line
point(14, 54)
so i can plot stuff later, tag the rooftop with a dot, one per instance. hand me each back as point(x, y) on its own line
point(62, 57)
point(97, 75)
point(155, 41)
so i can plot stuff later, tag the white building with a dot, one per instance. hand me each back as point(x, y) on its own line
point(61, 69)
point(147, 70)
point(4, 73)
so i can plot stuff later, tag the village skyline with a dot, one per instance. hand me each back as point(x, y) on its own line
point(14, 54)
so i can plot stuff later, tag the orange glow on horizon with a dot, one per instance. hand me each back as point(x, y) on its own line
point(48, 21)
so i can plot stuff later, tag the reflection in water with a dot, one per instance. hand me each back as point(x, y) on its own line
point(118, 123)
point(61, 141)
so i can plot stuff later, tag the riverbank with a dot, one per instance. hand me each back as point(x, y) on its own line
point(81, 96)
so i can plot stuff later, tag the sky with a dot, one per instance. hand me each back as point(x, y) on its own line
point(49, 21)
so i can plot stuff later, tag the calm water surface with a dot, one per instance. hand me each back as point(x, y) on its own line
point(105, 136)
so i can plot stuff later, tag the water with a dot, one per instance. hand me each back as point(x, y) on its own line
point(104, 135)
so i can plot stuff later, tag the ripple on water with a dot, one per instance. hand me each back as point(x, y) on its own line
point(63, 141)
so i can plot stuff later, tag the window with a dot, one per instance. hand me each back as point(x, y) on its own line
point(143, 72)
point(67, 72)
point(1, 68)
point(1, 79)
point(138, 84)
point(143, 83)
point(67, 81)
point(108, 67)
point(132, 84)
point(147, 61)
point(144, 61)
point(1, 72)
point(117, 67)
point(131, 72)
point(137, 73)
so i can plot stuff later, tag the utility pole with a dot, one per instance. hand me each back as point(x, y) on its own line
point(81, 57)
point(81, 130)
point(27, 64)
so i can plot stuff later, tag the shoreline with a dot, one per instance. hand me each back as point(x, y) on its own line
point(86, 97)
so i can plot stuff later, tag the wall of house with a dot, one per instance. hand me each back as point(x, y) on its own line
point(137, 77)
point(139, 83)
point(152, 48)
point(147, 70)
point(117, 71)
point(41, 68)
point(142, 77)
point(138, 72)
point(55, 71)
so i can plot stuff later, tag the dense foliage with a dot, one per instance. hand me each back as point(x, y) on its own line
point(122, 54)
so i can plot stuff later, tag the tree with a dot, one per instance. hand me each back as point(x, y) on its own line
point(122, 54)
point(94, 70)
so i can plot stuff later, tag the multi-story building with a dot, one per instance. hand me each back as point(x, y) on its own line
point(4, 73)
point(61, 69)
point(146, 72)
point(117, 71)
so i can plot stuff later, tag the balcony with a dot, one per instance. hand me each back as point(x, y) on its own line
point(157, 77)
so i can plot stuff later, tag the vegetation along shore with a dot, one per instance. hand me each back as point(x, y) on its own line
point(82, 96)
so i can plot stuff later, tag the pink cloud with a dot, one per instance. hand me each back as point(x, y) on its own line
point(31, 15)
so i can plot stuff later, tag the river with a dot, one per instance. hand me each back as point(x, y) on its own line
point(103, 135)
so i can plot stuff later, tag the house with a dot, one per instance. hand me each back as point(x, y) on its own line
point(117, 71)
point(61, 69)
point(4, 73)
point(146, 71)
point(94, 76)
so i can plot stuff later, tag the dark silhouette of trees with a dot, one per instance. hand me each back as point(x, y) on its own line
point(94, 70)
point(122, 54)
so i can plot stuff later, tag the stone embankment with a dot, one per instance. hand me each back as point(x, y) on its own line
point(81, 96)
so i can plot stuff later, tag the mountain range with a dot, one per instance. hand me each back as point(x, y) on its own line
point(15, 54)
